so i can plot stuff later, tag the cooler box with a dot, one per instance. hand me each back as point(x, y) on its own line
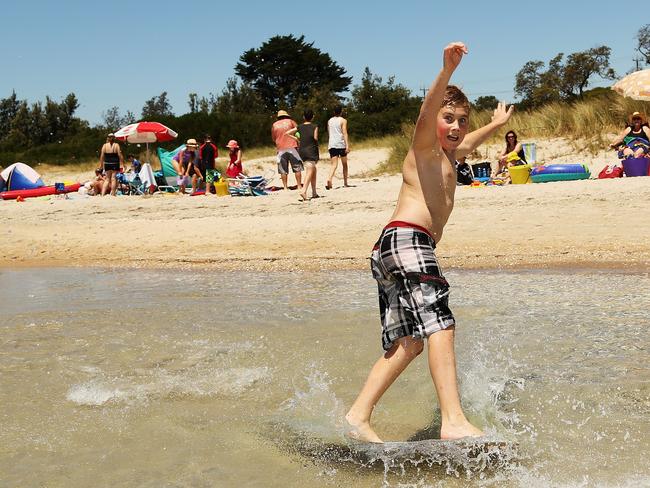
point(482, 171)
point(520, 175)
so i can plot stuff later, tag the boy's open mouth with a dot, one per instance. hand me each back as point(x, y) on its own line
point(452, 138)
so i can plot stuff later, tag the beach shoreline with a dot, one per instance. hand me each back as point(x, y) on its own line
point(595, 224)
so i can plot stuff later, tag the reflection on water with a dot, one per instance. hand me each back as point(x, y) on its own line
point(226, 379)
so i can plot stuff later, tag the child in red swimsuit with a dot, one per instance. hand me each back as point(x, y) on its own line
point(234, 168)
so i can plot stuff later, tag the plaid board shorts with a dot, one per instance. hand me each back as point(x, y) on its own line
point(413, 294)
point(212, 175)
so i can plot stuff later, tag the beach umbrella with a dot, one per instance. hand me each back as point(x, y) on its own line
point(145, 132)
point(635, 85)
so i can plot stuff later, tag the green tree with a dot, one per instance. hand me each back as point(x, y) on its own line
point(157, 107)
point(563, 80)
point(643, 39)
point(113, 120)
point(20, 126)
point(374, 95)
point(8, 110)
point(286, 68)
point(237, 98)
point(193, 102)
point(488, 102)
point(581, 66)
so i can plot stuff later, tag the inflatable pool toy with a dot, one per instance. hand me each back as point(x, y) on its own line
point(559, 172)
point(39, 192)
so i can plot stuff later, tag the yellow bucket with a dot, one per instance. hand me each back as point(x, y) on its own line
point(221, 187)
point(520, 174)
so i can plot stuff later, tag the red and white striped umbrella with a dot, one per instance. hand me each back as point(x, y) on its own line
point(145, 132)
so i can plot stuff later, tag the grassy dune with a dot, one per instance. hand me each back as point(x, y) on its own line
point(591, 123)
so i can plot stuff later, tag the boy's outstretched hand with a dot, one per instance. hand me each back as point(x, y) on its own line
point(452, 54)
point(501, 115)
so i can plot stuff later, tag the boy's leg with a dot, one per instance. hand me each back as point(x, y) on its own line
point(442, 364)
point(313, 180)
point(344, 163)
point(384, 372)
point(335, 162)
point(308, 172)
point(283, 169)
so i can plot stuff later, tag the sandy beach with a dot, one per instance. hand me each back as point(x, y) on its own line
point(588, 223)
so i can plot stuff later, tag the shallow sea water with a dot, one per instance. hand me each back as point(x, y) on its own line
point(161, 378)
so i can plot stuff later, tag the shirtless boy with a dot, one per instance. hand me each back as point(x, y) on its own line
point(413, 293)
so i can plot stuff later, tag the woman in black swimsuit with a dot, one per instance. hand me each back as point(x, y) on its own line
point(506, 158)
point(634, 141)
point(111, 160)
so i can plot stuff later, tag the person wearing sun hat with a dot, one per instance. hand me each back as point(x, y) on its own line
point(283, 134)
point(184, 163)
point(634, 141)
point(234, 168)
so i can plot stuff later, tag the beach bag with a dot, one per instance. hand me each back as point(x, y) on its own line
point(611, 171)
point(463, 174)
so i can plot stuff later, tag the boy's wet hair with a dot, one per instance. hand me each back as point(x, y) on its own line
point(455, 97)
point(338, 110)
point(308, 114)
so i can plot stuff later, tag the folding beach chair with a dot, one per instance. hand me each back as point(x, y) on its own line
point(530, 152)
point(137, 183)
point(167, 176)
point(249, 185)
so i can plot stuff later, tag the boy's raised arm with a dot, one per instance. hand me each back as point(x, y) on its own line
point(425, 137)
point(478, 136)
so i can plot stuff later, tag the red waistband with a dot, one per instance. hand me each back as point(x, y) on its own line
point(401, 223)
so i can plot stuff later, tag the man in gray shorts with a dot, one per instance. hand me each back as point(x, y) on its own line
point(283, 134)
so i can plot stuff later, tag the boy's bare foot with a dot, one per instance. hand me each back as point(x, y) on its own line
point(328, 186)
point(360, 430)
point(315, 196)
point(303, 197)
point(457, 431)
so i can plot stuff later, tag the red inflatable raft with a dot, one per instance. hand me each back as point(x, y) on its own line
point(38, 192)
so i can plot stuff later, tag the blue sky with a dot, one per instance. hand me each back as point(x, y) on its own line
point(122, 53)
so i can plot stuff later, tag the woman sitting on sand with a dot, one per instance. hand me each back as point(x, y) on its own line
point(512, 155)
point(634, 141)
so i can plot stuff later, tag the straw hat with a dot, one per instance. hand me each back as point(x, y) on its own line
point(638, 115)
point(232, 144)
point(191, 142)
point(282, 113)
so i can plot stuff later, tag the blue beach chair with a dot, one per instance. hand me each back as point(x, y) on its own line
point(254, 186)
